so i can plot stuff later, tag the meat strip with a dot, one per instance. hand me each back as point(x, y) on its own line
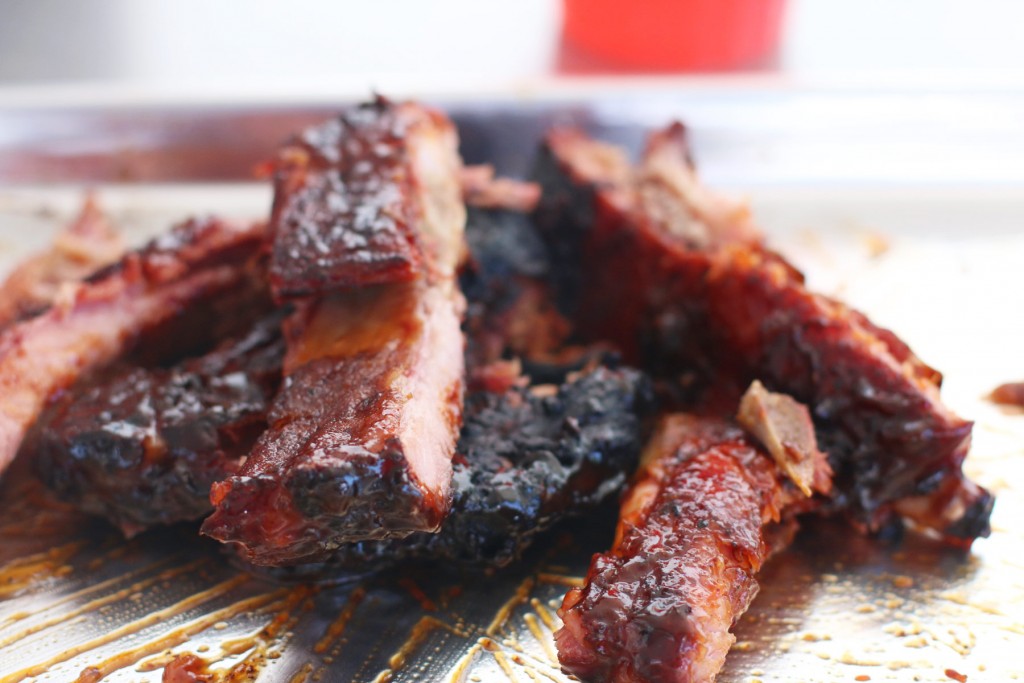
point(528, 457)
point(85, 246)
point(366, 198)
point(696, 526)
point(714, 301)
point(143, 446)
point(362, 434)
point(166, 294)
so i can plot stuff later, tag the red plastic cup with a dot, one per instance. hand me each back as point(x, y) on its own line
point(675, 35)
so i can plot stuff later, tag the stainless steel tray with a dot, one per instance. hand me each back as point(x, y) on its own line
point(936, 258)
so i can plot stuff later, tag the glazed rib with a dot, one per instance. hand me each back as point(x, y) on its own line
point(716, 302)
point(527, 458)
point(362, 434)
point(142, 446)
point(173, 285)
point(83, 247)
point(364, 199)
point(695, 528)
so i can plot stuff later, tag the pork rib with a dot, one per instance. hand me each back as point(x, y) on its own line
point(169, 285)
point(143, 446)
point(366, 198)
point(362, 434)
point(718, 302)
point(696, 525)
point(527, 458)
point(85, 246)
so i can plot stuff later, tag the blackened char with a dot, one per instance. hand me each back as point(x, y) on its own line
point(362, 433)
point(695, 527)
point(143, 446)
point(509, 312)
point(527, 458)
point(717, 303)
point(173, 295)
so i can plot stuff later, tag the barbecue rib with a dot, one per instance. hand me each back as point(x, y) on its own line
point(711, 299)
point(362, 434)
point(701, 517)
point(82, 248)
point(143, 445)
point(367, 198)
point(527, 458)
point(165, 295)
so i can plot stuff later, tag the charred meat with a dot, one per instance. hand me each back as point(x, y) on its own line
point(510, 312)
point(143, 446)
point(160, 297)
point(695, 528)
point(527, 458)
point(367, 198)
point(677, 281)
point(362, 434)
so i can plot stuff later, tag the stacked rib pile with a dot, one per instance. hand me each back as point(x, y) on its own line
point(372, 376)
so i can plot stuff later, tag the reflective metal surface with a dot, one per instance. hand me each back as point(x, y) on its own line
point(939, 264)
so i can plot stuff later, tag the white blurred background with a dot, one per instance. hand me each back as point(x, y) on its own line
point(248, 44)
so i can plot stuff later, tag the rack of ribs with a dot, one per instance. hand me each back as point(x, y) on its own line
point(704, 512)
point(173, 295)
point(681, 282)
point(367, 233)
point(143, 445)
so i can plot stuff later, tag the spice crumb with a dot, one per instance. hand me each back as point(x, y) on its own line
point(956, 675)
point(862, 677)
point(902, 581)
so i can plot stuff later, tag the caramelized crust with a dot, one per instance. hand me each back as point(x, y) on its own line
point(361, 435)
point(169, 285)
point(364, 199)
point(690, 541)
point(510, 311)
point(527, 458)
point(142, 446)
point(367, 228)
point(723, 306)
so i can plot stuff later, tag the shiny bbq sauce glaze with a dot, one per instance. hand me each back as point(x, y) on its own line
point(355, 448)
point(171, 297)
point(715, 302)
point(527, 458)
point(362, 433)
point(142, 445)
point(351, 196)
point(690, 540)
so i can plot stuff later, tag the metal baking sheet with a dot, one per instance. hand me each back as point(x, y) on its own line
point(936, 261)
